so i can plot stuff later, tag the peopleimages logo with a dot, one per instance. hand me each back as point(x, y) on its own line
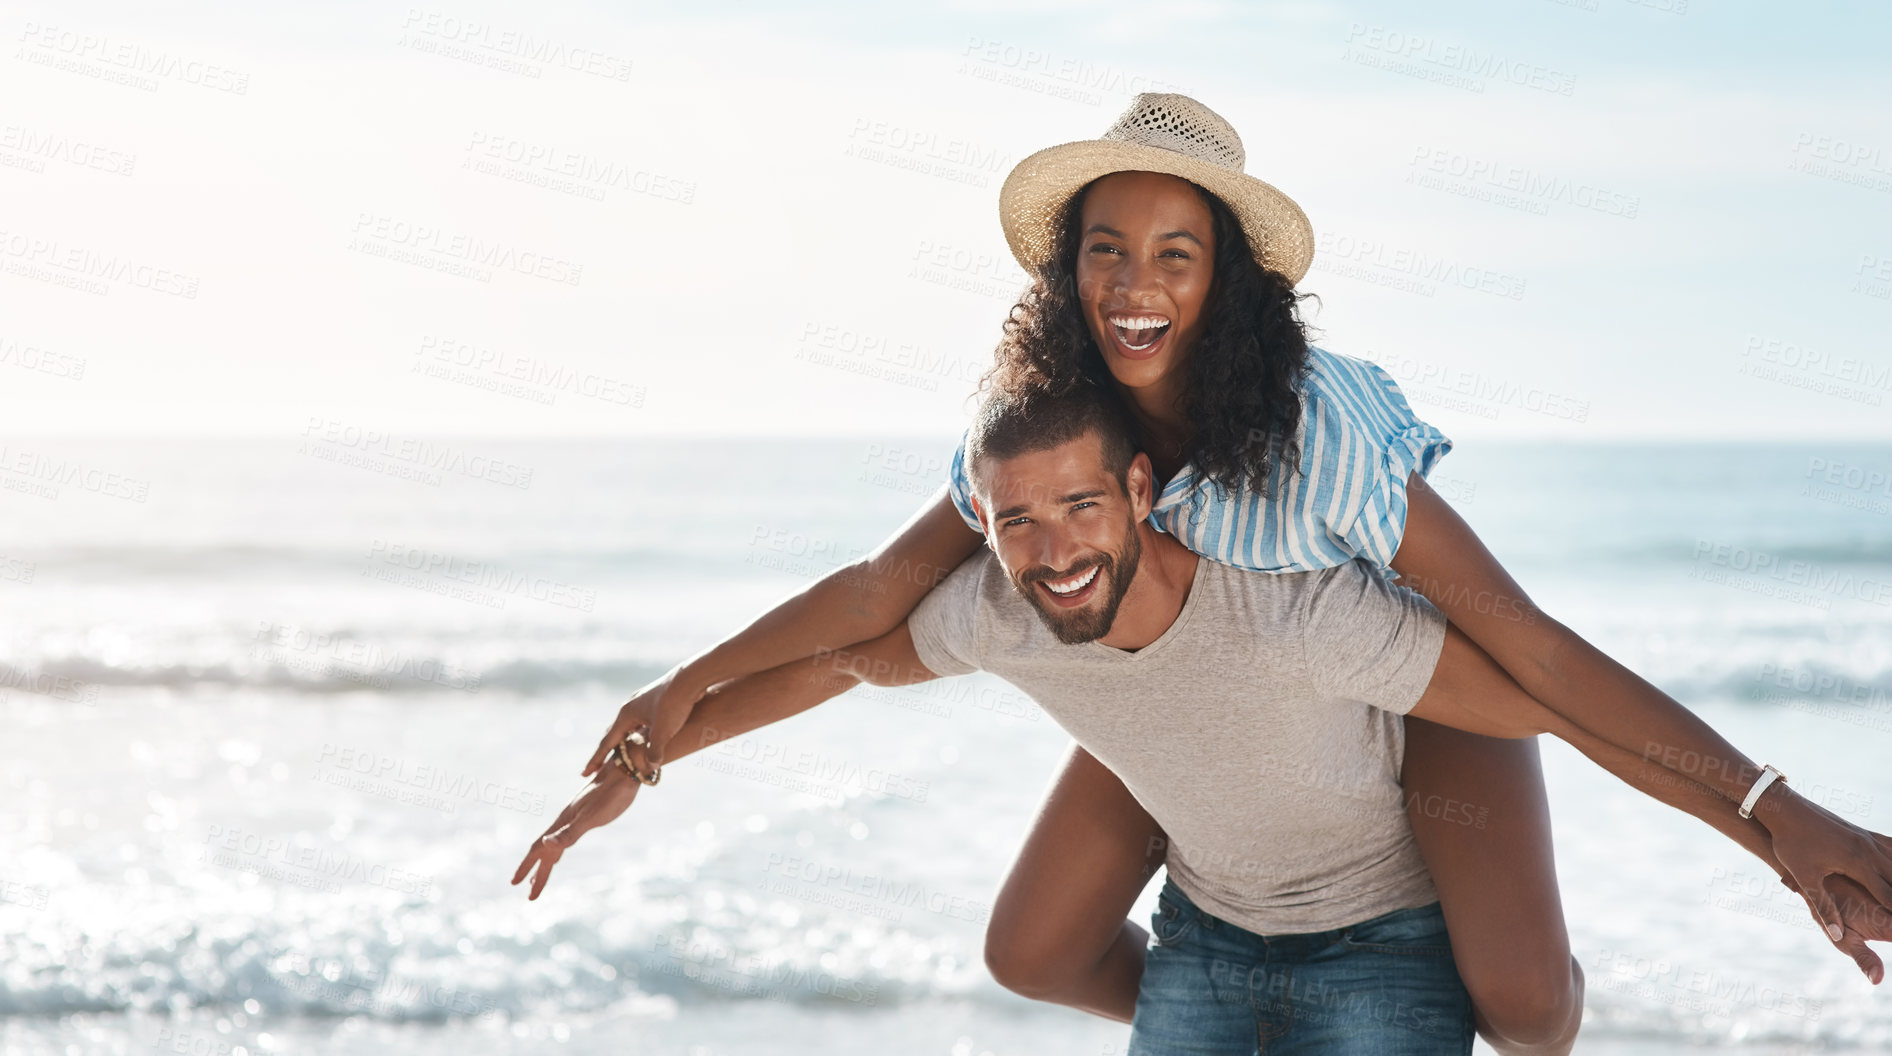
point(1487, 179)
point(1375, 261)
point(279, 858)
point(1485, 394)
point(412, 457)
point(324, 653)
point(1799, 366)
point(377, 234)
point(524, 376)
point(123, 61)
point(1058, 76)
point(36, 148)
point(89, 269)
point(1714, 561)
point(37, 467)
point(481, 574)
point(474, 39)
point(573, 171)
point(429, 776)
point(1455, 61)
point(875, 887)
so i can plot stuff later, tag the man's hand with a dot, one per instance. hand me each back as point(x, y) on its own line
point(1813, 845)
point(1861, 918)
point(598, 803)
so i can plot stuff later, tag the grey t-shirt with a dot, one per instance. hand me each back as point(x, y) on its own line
point(1262, 730)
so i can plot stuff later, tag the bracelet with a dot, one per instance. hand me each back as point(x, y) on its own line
point(622, 753)
point(616, 755)
point(1768, 776)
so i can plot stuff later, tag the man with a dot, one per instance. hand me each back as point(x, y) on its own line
point(1255, 716)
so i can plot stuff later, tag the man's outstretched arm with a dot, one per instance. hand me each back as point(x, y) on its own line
point(1470, 692)
point(1442, 558)
point(733, 708)
point(743, 704)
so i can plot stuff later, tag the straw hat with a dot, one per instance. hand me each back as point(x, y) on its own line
point(1160, 132)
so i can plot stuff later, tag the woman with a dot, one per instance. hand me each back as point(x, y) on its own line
point(1159, 266)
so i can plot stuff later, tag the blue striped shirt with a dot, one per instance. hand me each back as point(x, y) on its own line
point(1359, 443)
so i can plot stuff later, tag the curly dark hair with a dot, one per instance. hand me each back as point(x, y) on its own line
point(1242, 391)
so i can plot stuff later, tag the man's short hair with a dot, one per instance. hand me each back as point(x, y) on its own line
point(1015, 422)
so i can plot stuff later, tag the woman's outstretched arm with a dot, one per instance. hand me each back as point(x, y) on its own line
point(1470, 691)
point(730, 709)
point(856, 602)
point(1440, 557)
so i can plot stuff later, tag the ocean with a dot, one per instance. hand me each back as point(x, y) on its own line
point(283, 714)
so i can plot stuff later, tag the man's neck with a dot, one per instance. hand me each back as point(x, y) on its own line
point(1157, 592)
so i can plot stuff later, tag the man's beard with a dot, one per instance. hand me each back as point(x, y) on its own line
point(1092, 621)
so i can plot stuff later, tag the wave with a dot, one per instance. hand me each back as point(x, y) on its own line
point(422, 957)
point(80, 679)
point(237, 560)
point(377, 985)
point(1767, 661)
point(418, 962)
point(1814, 681)
point(1865, 550)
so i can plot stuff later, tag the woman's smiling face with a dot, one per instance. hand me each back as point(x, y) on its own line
point(1145, 256)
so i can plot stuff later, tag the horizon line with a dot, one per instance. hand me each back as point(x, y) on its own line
point(1513, 437)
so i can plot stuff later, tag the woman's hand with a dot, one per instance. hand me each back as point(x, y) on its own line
point(1812, 844)
point(663, 706)
point(598, 803)
point(1442, 558)
point(1862, 919)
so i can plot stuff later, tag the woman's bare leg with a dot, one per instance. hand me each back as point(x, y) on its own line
point(1482, 822)
point(1058, 931)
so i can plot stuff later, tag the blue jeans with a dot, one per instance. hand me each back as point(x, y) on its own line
point(1386, 986)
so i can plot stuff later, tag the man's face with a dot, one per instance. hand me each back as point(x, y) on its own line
point(1064, 529)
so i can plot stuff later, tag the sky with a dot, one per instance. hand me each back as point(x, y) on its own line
point(1592, 220)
